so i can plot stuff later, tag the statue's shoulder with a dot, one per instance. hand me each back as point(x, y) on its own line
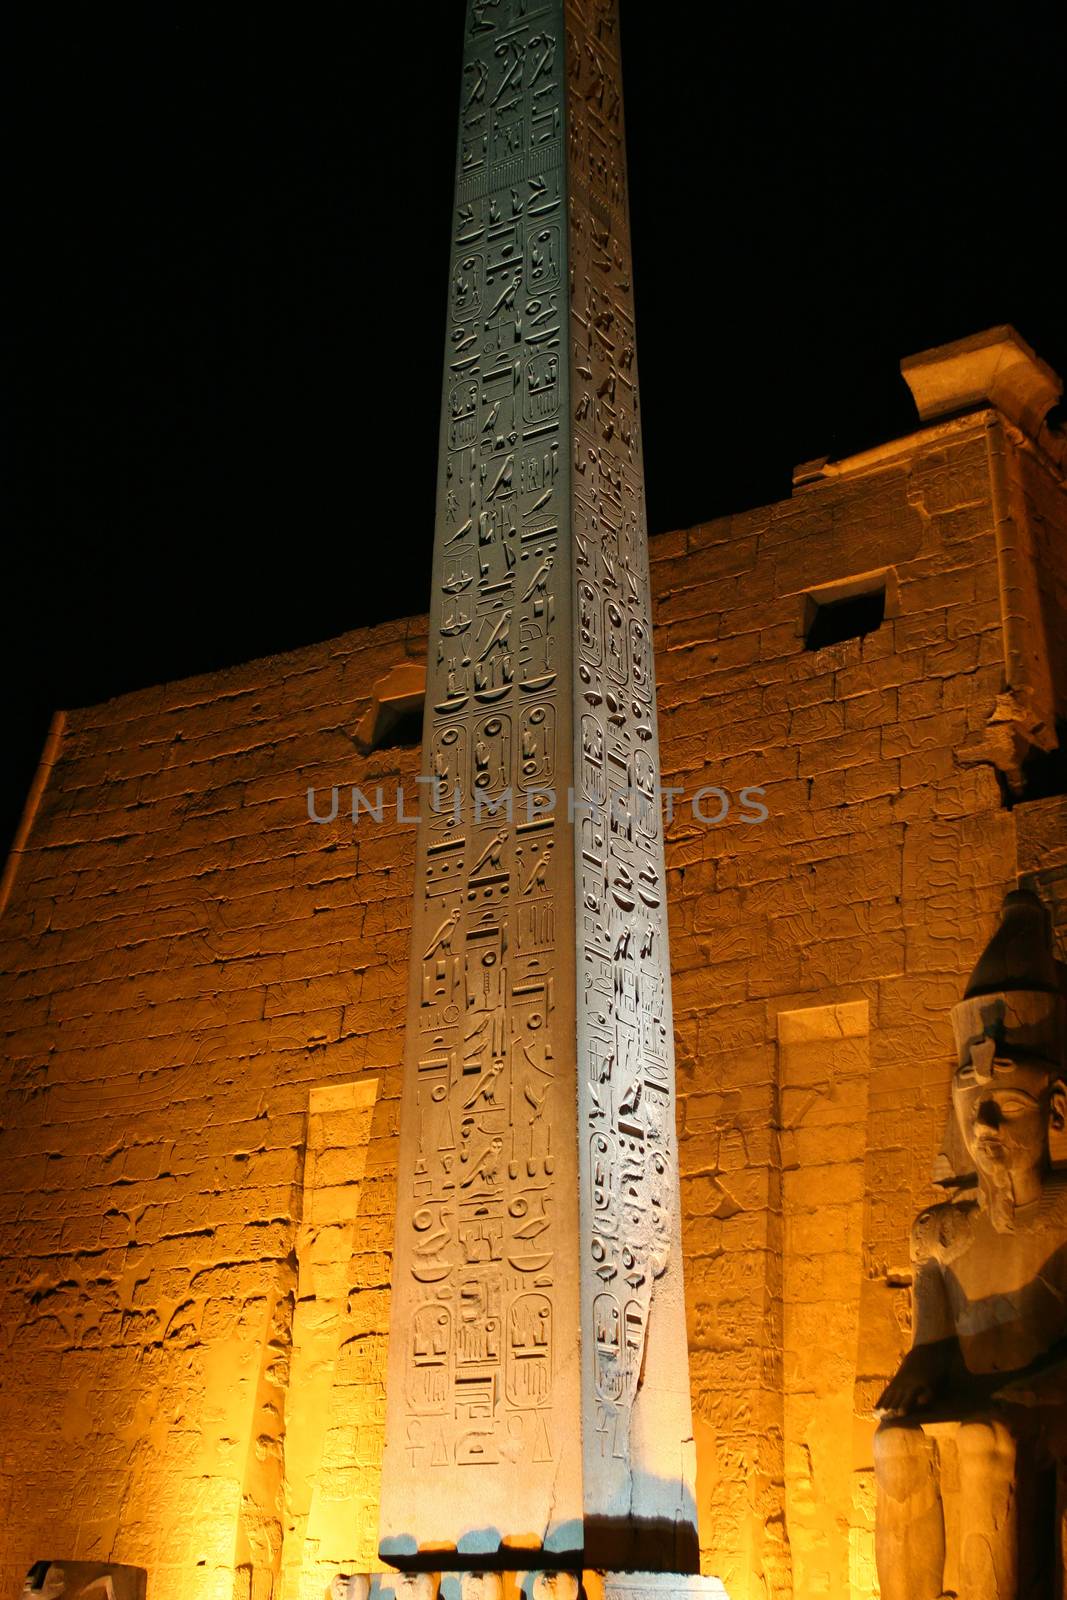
point(943, 1231)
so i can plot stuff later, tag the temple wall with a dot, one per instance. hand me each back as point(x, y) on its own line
point(203, 1020)
point(192, 961)
point(847, 921)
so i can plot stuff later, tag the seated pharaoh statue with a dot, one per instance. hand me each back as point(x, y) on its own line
point(971, 1453)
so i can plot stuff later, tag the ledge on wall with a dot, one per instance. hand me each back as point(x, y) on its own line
point(995, 367)
point(394, 716)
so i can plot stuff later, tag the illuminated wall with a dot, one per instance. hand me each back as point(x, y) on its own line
point(203, 986)
point(203, 1029)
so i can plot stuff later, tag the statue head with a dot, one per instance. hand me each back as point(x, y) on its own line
point(1005, 1106)
point(1008, 1088)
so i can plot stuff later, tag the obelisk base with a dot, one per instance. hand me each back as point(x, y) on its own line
point(526, 1585)
point(656, 1586)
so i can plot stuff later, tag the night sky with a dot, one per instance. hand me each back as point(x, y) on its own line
point(230, 232)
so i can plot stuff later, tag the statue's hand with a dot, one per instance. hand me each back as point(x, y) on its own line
point(916, 1385)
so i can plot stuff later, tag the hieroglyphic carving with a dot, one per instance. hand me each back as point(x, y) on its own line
point(624, 1019)
point(540, 985)
point(491, 1026)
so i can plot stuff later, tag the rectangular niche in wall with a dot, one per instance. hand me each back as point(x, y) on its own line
point(335, 1382)
point(848, 609)
point(823, 1065)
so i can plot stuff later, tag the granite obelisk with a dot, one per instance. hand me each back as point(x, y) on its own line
point(537, 1389)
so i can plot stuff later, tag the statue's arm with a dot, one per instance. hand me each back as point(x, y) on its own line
point(921, 1375)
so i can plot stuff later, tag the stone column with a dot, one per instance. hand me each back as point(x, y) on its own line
point(538, 1396)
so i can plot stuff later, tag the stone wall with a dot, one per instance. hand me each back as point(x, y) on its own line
point(191, 961)
point(203, 1028)
point(848, 920)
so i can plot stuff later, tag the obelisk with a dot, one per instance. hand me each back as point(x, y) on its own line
point(537, 1394)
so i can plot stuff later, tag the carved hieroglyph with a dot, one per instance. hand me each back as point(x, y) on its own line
point(537, 1372)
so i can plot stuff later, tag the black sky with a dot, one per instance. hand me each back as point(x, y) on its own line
point(230, 238)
